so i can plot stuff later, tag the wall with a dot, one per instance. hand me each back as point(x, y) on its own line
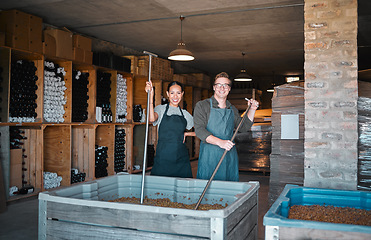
point(330, 94)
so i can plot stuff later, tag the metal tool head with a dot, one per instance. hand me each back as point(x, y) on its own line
point(149, 53)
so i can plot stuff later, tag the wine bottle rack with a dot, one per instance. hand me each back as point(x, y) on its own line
point(59, 144)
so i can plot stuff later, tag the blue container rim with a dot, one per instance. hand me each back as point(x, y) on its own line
point(276, 214)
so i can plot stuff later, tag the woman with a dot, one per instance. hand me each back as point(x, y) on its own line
point(172, 158)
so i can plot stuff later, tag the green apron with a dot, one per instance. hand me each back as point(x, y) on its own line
point(172, 157)
point(221, 125)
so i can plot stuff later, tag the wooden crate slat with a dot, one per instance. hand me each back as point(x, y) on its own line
point(126, 219)
point(57, 230)
point(113, 94)
point(57, 152)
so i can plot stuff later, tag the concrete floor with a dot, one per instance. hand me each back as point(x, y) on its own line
point(20, 221)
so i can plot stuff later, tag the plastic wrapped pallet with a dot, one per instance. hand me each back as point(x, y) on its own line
point(364, 136)
point(254, 147)
point(287, 155)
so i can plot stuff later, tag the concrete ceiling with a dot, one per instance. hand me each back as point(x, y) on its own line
point(269, 32)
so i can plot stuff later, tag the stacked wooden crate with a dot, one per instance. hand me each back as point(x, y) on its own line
point(364, 133)
point(160, 68)
point(52, 146)
point(287, 156)
point(237, 97)
point(199, 80)
point(21, 30)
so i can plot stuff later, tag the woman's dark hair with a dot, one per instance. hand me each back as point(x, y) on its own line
point(175, 83)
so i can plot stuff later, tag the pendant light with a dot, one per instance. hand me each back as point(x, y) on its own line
point(181, 53)
point(243, 76)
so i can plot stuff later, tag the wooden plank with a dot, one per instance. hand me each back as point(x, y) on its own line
point(293, 88)
point(247, 228)
point(15, 173)
point(39, 64)
point(292, 101)
point(309, 233)
point(83, 145)
point(39, 176)
point(5, 62)
point(57, 152)
point(32, 160)
point(290, 147)
point(92, 93)
point(59, 230)
point(129, 148)
point(89, 161)
point(76, 147)
point(364, 89)
point(67, 65)
point(129, 103)
point(146, 221)
point(234, 218)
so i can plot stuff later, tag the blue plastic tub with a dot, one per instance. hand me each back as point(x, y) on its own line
point(278, 226)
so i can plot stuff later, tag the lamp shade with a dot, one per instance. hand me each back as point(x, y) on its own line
point(243, 77)
point(181, 53)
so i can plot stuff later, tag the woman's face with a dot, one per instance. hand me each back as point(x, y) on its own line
point(175, 95)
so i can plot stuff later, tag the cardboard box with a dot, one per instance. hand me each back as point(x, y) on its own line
point(49, 45)
point(78, 54)
point(81, 42)
point(64, 42)
point(15, 168)
point(88, 57)
point(23, 31)
point(19, 40)
point(35, 34)
point(16, 26)
point(14, 22)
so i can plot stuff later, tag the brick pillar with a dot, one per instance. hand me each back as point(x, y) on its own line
point(331, 94)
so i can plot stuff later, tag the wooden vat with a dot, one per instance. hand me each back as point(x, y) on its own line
point(82, 211)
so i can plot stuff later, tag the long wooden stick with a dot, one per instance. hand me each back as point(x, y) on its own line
point(221, 159)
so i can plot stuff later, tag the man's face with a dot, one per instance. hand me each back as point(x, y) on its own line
point(221, 87)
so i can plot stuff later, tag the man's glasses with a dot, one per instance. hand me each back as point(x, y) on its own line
point(225, 85)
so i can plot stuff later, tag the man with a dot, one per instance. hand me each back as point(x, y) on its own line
point(215, 120)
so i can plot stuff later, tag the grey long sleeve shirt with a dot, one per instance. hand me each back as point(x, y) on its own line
point(201, 117)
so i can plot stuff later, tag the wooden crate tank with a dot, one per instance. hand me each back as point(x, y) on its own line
point(83, 210)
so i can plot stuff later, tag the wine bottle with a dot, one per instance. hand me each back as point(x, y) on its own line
point(25, 190)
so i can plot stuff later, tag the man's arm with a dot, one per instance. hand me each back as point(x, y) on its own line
point(200, 119)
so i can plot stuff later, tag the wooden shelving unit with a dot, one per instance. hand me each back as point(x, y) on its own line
point(59, 147)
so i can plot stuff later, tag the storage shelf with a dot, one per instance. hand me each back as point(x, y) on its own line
point(60, 146)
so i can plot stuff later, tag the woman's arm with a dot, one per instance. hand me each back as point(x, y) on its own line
point(188, 134)
point(153, 116)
